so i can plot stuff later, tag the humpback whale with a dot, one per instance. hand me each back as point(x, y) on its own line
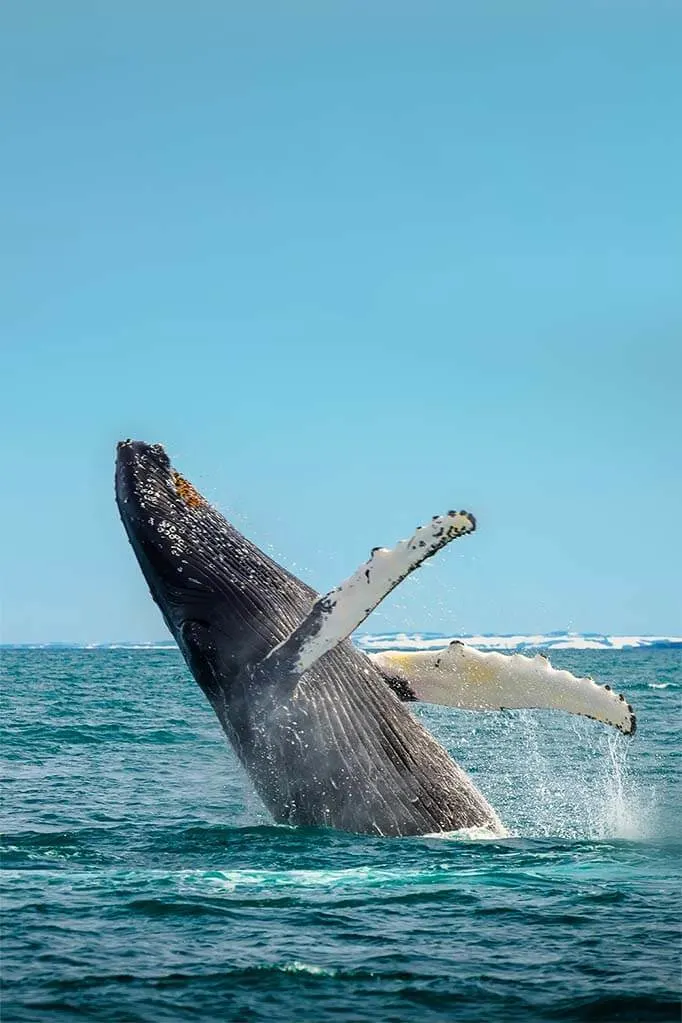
point(324, 731)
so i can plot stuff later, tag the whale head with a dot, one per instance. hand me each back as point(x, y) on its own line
point(225, 601)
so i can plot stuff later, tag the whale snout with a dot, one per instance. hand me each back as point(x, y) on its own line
point(163, 519)
point(144, 480)
point(137, 454)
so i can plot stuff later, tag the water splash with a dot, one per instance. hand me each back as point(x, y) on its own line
point(554, 777)
point(626, 811)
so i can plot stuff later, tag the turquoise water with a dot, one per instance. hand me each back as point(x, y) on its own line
point(142, 880)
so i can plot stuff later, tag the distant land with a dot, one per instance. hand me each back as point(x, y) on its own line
point(424, 641)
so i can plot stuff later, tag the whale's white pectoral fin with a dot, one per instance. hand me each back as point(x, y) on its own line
point(461, 676)
point(337, 614)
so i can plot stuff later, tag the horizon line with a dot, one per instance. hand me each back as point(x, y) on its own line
point(560, 638)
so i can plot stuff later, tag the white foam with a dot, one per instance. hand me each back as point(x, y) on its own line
point(232, 880)
point(474, 834)
point(314, 971)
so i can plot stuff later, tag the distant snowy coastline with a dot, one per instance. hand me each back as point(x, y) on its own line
point(375, 642)
point(541, 641)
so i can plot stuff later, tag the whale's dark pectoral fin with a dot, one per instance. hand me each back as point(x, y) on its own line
point(337, 614)
point(461, 676)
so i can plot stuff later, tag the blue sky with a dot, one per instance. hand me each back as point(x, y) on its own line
point(353, 265)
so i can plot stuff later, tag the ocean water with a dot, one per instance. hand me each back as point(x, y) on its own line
point(142, 879)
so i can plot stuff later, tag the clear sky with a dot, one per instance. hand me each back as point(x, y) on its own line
point(353, 264)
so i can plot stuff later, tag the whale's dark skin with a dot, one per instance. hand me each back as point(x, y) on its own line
point(335, 749)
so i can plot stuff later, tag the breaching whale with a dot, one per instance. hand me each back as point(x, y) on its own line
point(323, 730)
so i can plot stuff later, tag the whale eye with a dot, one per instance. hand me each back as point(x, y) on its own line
point(186, 491)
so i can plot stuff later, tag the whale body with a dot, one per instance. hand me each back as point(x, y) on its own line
point(324, 739)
